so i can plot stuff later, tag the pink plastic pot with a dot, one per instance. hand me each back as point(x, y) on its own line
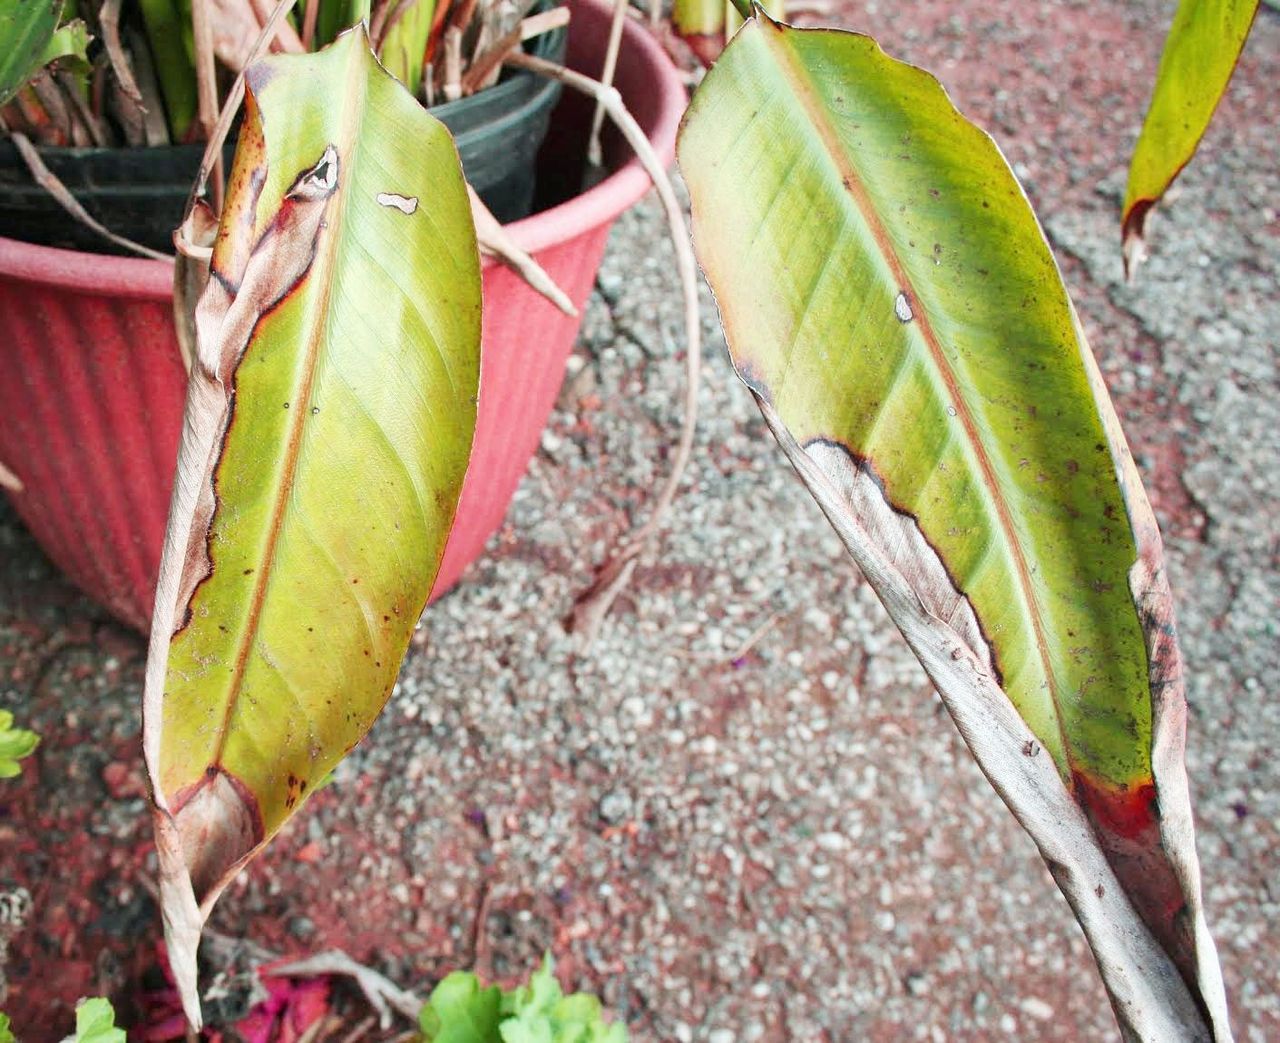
point(91, 385)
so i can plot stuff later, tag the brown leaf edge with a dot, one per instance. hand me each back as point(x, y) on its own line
point(1151, 1000)
point(208, 833)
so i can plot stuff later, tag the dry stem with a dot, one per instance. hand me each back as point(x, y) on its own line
point(309, 15)
point(594, 605)
point(286, 36)
point(452, 63)
point(207, 86)
point(383, 994)
point(109, 21)
point(213, 147)
point(360, 1031)
point(494, 241)
point(595, 158)
point(9, 480)
point(80, 108)
point(481, 67)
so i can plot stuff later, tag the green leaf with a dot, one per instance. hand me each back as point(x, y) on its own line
point(890, 299)
point(96, 1022)
point(540, 1013)
point(698, 17)
point(331, 17)
point(537, 998)
point(168, 30)
point(70, 41)
point(26, 27)
point(328, 427)
point(15, 743)
point(404, 44)
point(460, 1010)
point(1199, 57)
point(6, 1032)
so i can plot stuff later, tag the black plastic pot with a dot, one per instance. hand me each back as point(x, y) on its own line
point(140, 192)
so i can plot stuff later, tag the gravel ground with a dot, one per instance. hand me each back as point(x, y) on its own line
point(786, 841)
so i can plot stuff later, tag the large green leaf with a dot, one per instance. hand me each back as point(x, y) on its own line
point(1199, 57)
point(26, 29)
point(888, 296)
point(461, 1010)
point(328, 426)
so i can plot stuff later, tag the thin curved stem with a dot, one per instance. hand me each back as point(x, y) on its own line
point(594, 605)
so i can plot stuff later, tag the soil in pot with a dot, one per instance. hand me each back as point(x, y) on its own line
point(140, 193)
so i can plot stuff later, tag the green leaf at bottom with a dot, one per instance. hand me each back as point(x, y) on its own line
point(461, 1010)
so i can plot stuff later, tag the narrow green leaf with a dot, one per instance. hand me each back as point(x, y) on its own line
point(167, 33)
point(26, 27)
point(404, 44)
point(15, 744)
point(1199, 57)
point(701, 24)
point(328, 426)
point(888, 296)
point(6, 1030)
point(331, 17)
point(698, 17)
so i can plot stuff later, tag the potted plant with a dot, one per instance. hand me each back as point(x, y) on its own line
point(892, 304)
point(91, 468)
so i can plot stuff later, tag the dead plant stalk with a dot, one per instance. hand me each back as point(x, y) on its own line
point(595, 159)
point(594, 605)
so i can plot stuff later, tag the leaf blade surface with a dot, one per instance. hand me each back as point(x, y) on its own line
point(26, 28)
point(327, 432)
point(888, 296)
point(1199, 56)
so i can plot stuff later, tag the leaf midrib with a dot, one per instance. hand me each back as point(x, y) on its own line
point(803, 90)
point(355, 95)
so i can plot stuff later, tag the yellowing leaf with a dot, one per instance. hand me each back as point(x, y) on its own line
point(1199, 57)
point(328, 426)
point(889, 298)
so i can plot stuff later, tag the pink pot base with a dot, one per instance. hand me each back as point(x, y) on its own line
point(91, 385)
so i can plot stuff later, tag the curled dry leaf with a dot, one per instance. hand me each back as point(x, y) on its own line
point(890, 299)
point(328, 425)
